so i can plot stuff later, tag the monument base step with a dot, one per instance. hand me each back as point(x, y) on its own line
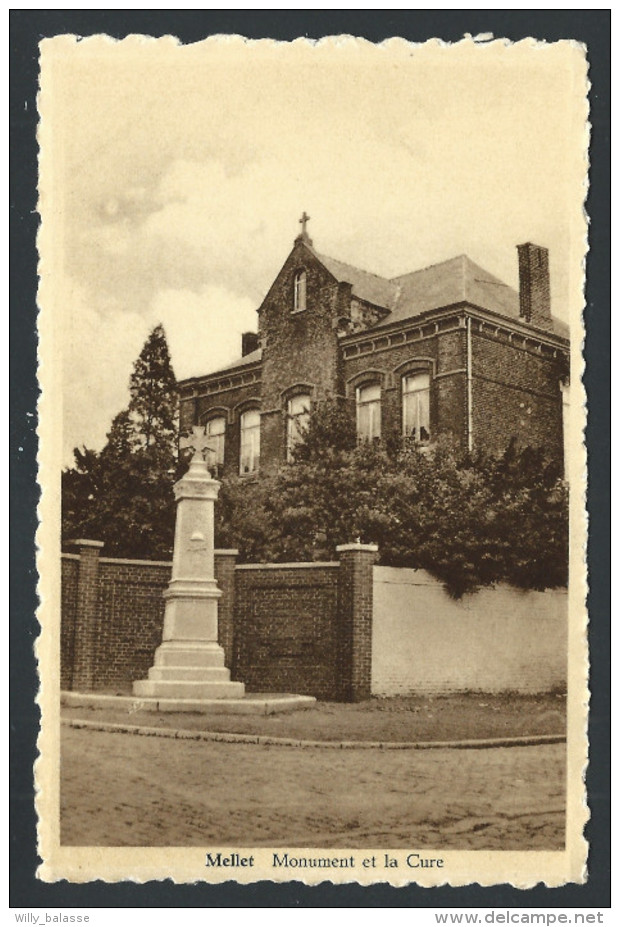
point(255, 704)
point(179, 653)
point(178, 688)
point(189, 673)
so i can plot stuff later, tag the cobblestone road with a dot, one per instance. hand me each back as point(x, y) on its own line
point(127, 790)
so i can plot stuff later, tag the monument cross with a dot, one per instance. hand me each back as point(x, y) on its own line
point(303, 222)
point(198, 441)
point(189, 662)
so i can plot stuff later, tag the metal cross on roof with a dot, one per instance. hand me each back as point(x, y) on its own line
point(305, 218)
point(198, 441)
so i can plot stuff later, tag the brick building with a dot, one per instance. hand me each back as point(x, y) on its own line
point(446, 349)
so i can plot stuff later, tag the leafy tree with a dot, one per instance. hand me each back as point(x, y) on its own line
point(81, 485)
point(241, 518)
point(476, 521)
point(123, 494)
point(329, 435)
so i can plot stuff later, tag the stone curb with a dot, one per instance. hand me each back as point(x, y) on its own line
point(266, 740)
point(261, 704)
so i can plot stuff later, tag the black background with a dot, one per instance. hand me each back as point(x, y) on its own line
point(27, 28)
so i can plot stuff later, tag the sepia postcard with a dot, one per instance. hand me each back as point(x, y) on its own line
point(312, 532)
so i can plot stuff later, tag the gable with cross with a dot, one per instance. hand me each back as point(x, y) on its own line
point(303, 236)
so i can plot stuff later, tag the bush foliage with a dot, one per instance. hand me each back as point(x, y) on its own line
point(470, 520)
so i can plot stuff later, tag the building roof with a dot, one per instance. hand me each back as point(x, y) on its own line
point(252, 358)
point(370, 287)
point(456, 280)
point(453, 281)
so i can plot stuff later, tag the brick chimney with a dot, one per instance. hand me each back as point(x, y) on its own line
point(249, 343)
point(534, 292)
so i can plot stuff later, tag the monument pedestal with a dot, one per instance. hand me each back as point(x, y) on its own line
point(189, 663)
point(190, 671)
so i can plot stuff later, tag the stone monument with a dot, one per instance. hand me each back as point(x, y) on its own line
point(189, 663)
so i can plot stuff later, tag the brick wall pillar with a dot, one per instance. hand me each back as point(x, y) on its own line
point(85, 640)
point(355, 619)
point(225, 561)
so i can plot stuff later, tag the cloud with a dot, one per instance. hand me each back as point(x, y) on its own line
point(203, 329)
point(102, 340)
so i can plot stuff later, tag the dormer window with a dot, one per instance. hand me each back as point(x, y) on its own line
point(299, 291)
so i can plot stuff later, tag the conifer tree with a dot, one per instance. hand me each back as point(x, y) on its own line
point(152, 387)
point(122, 439)
point(123, 495)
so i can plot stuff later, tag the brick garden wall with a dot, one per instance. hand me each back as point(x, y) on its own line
point(339, 631)
point(287, 628)
point(130, 617)
point(70, 565)
point(301, 628)
point(111, 643)
point(109, 640)
point(494, 640)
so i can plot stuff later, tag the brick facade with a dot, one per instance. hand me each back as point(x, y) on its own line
point(441, 354)
point(300, 351)
point(495, 358)
point(525, 384)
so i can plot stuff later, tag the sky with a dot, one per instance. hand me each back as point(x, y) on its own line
point(173, 178)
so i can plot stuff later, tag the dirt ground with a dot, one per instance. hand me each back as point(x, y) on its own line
point(129, 790)
point(406, 719)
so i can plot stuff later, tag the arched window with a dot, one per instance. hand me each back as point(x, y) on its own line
point(216, 430)
point(299, 291)
point(368, 411)
point(416, 407)
point(298, 415)
point(249, 425)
